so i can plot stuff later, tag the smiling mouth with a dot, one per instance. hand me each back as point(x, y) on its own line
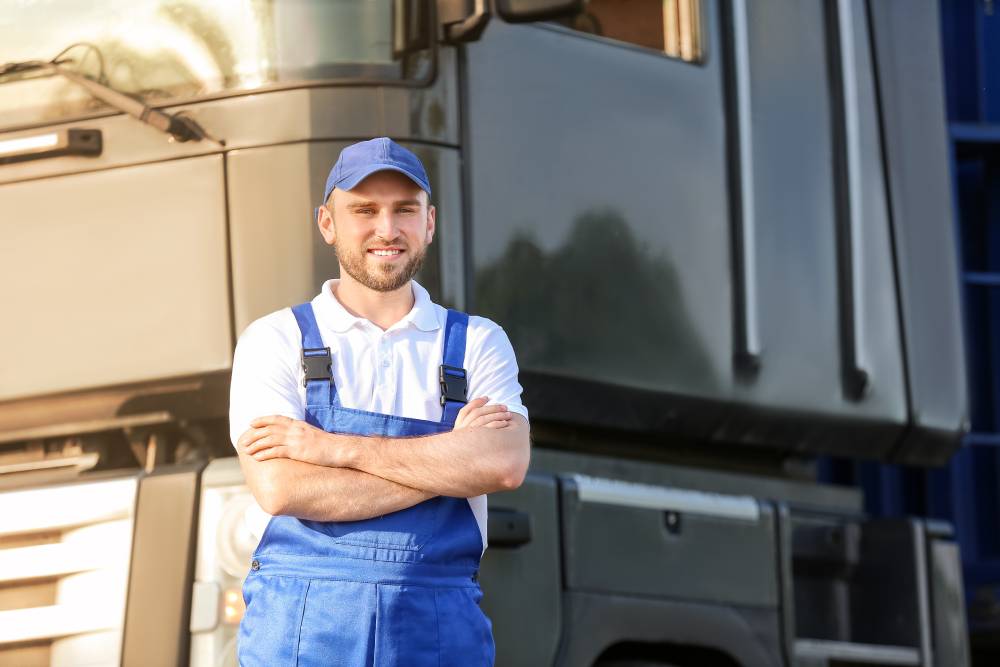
point(385, 252)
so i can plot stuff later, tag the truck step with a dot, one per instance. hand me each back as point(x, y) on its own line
point(816, 652)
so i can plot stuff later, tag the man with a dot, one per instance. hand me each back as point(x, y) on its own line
point(350, 420)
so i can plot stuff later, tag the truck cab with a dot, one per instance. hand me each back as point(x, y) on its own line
point(718, 234)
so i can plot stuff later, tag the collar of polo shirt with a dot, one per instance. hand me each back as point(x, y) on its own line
point(423, 315)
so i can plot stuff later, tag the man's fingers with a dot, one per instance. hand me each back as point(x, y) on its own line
point(259, 444)
point(270, 420)
point(466, 413)
point(498, 423)
point(252, 435)
point(485, 419)
point(276, 452)
point(472, 405)
point(481, 416)
point(476, 413)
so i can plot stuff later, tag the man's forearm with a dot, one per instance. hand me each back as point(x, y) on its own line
point(461, 463)
point(318, 493)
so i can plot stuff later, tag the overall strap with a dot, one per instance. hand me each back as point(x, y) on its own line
point(316, 359)
point(452, 374)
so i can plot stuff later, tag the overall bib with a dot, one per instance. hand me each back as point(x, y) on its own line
point(400, 589)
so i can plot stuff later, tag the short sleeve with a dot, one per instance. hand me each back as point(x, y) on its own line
point(265, 375)
point(492, 367)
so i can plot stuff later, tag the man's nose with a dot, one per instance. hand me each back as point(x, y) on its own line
point(385, 226)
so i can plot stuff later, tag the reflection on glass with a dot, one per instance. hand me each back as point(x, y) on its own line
point(167, 49)
point(672, 27)
point(601, 307)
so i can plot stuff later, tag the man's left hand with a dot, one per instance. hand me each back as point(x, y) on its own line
point(276, 436)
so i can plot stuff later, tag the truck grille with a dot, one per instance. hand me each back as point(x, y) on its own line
point(64, 560)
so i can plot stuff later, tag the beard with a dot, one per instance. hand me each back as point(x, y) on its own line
point(384, 277)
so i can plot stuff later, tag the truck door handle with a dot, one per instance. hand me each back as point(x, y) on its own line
point(746, 338)
point(856, 379)
point(507, 528)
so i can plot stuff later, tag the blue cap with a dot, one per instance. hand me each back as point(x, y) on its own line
point(359, 161)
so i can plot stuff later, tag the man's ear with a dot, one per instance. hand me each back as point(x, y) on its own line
point(431, 222)
point(324, 219)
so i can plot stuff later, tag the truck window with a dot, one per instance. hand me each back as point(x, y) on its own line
point(166, 50)
point(672, 27)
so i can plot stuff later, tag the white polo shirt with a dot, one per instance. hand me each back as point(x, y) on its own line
point(391, 372)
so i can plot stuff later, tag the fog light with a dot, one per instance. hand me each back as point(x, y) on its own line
point(232, 606)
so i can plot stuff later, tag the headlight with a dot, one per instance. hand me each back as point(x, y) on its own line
point(230, 524)
point(235, 539)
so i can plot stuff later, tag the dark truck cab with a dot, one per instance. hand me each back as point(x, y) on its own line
point(718, 234)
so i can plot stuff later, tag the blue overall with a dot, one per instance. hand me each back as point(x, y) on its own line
point(400, 589)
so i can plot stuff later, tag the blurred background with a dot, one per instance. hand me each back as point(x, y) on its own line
point(746, 253)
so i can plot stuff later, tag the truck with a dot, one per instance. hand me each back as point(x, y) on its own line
point(719, 235)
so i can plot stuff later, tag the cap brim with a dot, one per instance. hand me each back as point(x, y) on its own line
point(352, 182)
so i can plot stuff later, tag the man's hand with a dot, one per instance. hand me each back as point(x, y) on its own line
point(276, 436)
point(476, 414)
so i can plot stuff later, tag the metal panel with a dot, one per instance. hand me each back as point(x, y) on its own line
point(598, 188)
point(283, 116)
point(159, 595)
point(837, 499)
point(523, 586)
point(797, 208)
point(630, 494)
point(608, 250)
point(906, 47)
point(114, 277)
point(951, 639)
point(675, 553)
point(279, 257)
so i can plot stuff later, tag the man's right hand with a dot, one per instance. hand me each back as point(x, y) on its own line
point(476, 414)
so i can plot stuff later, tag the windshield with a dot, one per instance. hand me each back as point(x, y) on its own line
point(169, 50)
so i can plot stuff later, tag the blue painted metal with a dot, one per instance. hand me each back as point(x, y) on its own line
point(986, 133)
point(987, 41)
point(962, 80)
point(982, 278)
point(975, 438)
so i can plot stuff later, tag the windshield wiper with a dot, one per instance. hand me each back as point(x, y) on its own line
point(178, 126)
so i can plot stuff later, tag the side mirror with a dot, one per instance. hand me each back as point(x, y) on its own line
point(411, 29)
point(525, 11)
point(465, 20)
point(462, 20)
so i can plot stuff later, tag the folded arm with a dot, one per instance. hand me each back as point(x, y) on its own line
point(488, 451)
point(459, 463)
point(320, 493)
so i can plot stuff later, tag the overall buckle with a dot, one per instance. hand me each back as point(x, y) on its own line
point(316, 363)
point(453, 384)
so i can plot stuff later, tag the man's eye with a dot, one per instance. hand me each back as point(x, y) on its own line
point(364, 211)
point(407, 210)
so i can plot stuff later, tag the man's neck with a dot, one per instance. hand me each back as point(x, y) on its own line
point(383, 309)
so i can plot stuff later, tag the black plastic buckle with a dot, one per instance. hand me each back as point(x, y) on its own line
point(316, 364)
point(453, 384)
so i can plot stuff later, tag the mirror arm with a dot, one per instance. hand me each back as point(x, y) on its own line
point(462, 20)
